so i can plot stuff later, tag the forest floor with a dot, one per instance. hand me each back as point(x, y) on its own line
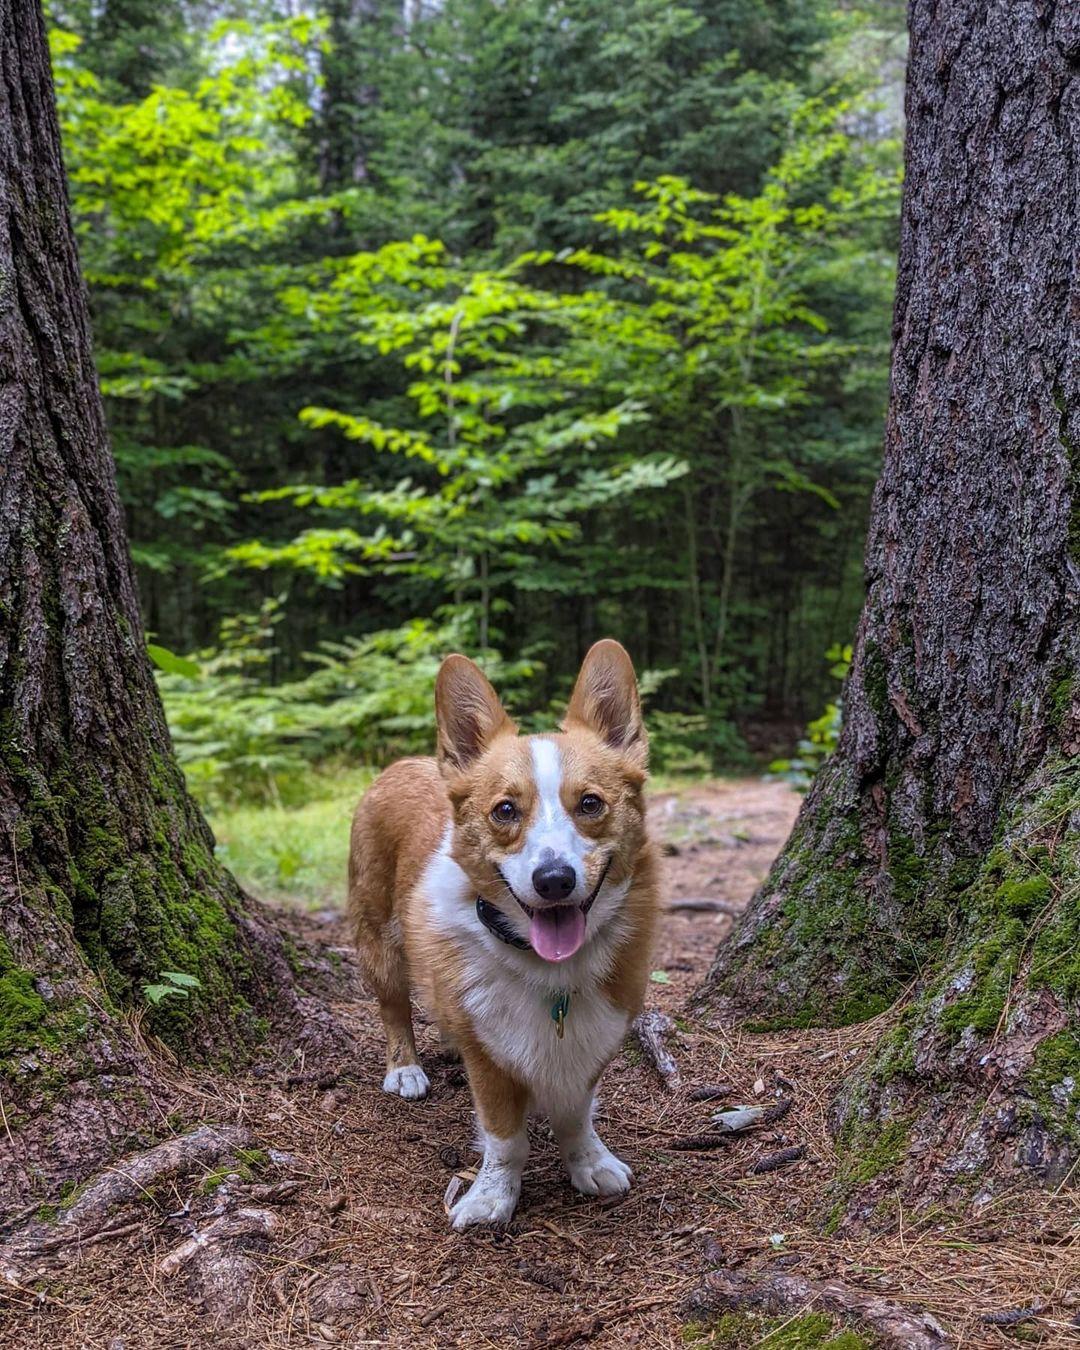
point(354, 1248)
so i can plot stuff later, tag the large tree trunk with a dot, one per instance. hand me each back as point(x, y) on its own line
point(936, 856)
point(343, 127)
point(107, 873)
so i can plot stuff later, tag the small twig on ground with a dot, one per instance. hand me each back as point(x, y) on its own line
point(651, 1028)
point(435, 1314)
point(107, 1234)
point(567, 1235)
point(7, 1127)
point(896, 1327)
point(694, 904)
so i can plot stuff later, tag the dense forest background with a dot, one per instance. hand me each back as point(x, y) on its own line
point(490, 326)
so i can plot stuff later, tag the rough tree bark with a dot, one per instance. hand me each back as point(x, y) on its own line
point(936, 856)
point(107, 873)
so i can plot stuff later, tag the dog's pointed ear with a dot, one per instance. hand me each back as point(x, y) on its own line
point(605, 699)
point(468, 714)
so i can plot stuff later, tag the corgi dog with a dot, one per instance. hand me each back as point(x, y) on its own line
point(511, 883)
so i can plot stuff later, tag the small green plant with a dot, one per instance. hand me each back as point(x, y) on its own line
point(244, 740)
point(172, 984)
point(822, 733)
point(172, 664)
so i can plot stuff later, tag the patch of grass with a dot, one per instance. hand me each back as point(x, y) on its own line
point(294, 854)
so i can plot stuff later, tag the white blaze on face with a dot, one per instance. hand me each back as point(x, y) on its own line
point(551, 835)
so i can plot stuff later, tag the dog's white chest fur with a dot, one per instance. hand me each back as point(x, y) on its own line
point(509, 995)
point(513, 1021)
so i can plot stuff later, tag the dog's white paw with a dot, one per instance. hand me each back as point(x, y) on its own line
point(410, 1082)
point(597, 1171)
point(488, 1200)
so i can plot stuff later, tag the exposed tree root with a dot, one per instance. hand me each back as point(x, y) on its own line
point(780, 1293)
point(127, 1181)
point(216, 1258)
point(133, 1177)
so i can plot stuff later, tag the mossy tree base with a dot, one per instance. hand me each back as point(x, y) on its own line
point(107, 872)
point(934, 869)
point(976, 1086)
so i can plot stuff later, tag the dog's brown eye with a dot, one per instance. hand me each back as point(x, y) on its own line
point(590, 804)
point(504, 812)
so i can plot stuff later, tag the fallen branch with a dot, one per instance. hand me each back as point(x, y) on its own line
point(896, 1327)
point(651, 1028)
point(701, 905)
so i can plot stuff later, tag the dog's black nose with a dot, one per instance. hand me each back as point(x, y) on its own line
point(554, 880)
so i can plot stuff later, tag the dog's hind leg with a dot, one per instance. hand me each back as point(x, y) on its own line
point(386, 971)
point(395, 831)
point(404, 1076)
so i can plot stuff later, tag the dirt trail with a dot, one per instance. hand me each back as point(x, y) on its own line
point(356, 1250)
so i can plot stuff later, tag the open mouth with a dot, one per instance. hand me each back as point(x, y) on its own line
point(556, 932)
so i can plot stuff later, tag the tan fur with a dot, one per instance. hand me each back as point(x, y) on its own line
point(402, 820)
point(500, 1099)
point(395, 830)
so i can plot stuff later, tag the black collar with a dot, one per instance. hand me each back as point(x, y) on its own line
point(495, 921)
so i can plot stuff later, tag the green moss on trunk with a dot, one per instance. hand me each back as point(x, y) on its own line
point(843, 925)
point(22, 1009)
point(130, 866)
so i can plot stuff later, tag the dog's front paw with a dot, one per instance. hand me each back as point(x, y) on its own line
point(597, 1171)
point(488, 1200)
point(410, 1082)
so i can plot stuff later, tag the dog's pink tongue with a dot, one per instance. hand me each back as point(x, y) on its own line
point(558, 932)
